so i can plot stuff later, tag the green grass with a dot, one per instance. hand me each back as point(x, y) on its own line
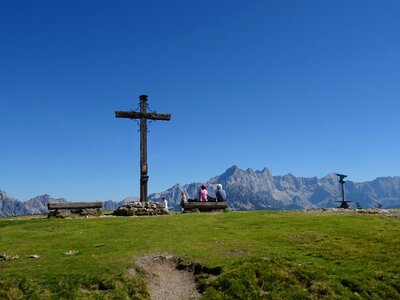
point(263, 254)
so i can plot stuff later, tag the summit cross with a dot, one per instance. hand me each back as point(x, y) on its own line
point(143, 115)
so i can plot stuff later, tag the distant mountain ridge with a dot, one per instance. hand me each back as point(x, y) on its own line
point(10, 206)
point(249, 190)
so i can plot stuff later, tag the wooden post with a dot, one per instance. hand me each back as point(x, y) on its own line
point(144, 178)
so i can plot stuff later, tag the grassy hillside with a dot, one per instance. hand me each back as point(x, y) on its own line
point(263, 254)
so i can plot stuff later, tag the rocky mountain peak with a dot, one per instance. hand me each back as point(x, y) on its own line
point(232, 171)
point(249, 189)
point(264, 170)
point(4, 195)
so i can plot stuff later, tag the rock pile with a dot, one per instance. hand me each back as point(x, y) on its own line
point(66, 209)
point(137, 208)
point(63, 213)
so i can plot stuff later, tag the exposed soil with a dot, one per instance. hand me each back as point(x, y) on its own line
point(165, 281)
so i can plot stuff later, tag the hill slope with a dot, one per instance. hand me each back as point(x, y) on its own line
point(262, 254)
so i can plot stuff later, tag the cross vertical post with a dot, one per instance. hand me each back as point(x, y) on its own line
point(343, 193)
point(144, 178)
point(342, 181)
point(143, 115)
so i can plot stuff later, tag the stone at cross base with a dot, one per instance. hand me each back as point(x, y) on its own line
point(140, 208)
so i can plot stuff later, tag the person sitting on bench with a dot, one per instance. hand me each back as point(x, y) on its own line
point(183, 197)
point(203, 193)
point(220, 193)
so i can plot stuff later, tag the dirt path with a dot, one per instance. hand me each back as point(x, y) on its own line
point(164, 281)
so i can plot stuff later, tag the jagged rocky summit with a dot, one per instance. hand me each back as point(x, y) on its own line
point(10, 206)
point(248, 190)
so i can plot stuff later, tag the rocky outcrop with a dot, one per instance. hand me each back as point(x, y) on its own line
point(10, 206)
point(248, 190)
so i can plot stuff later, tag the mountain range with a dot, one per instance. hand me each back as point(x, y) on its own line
point(249, 190)
point(10, 206)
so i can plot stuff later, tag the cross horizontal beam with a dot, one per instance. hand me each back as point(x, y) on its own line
point(140, 115)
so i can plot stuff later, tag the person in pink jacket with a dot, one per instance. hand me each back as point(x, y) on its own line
point(203, 193)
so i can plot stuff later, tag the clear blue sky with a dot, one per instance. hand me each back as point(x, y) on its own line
point(306, 87)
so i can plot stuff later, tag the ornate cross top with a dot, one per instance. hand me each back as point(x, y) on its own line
point(143, 115)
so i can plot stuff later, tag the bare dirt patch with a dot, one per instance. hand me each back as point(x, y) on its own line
point(165, 281)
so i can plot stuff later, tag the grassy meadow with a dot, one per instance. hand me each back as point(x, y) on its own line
point(263, 255)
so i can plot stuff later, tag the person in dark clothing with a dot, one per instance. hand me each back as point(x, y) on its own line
point(220, 194)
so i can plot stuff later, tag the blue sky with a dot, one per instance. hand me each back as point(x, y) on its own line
point(306, 87)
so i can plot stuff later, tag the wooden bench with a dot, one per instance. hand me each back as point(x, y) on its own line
point(204, 206)
point(64, 209)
